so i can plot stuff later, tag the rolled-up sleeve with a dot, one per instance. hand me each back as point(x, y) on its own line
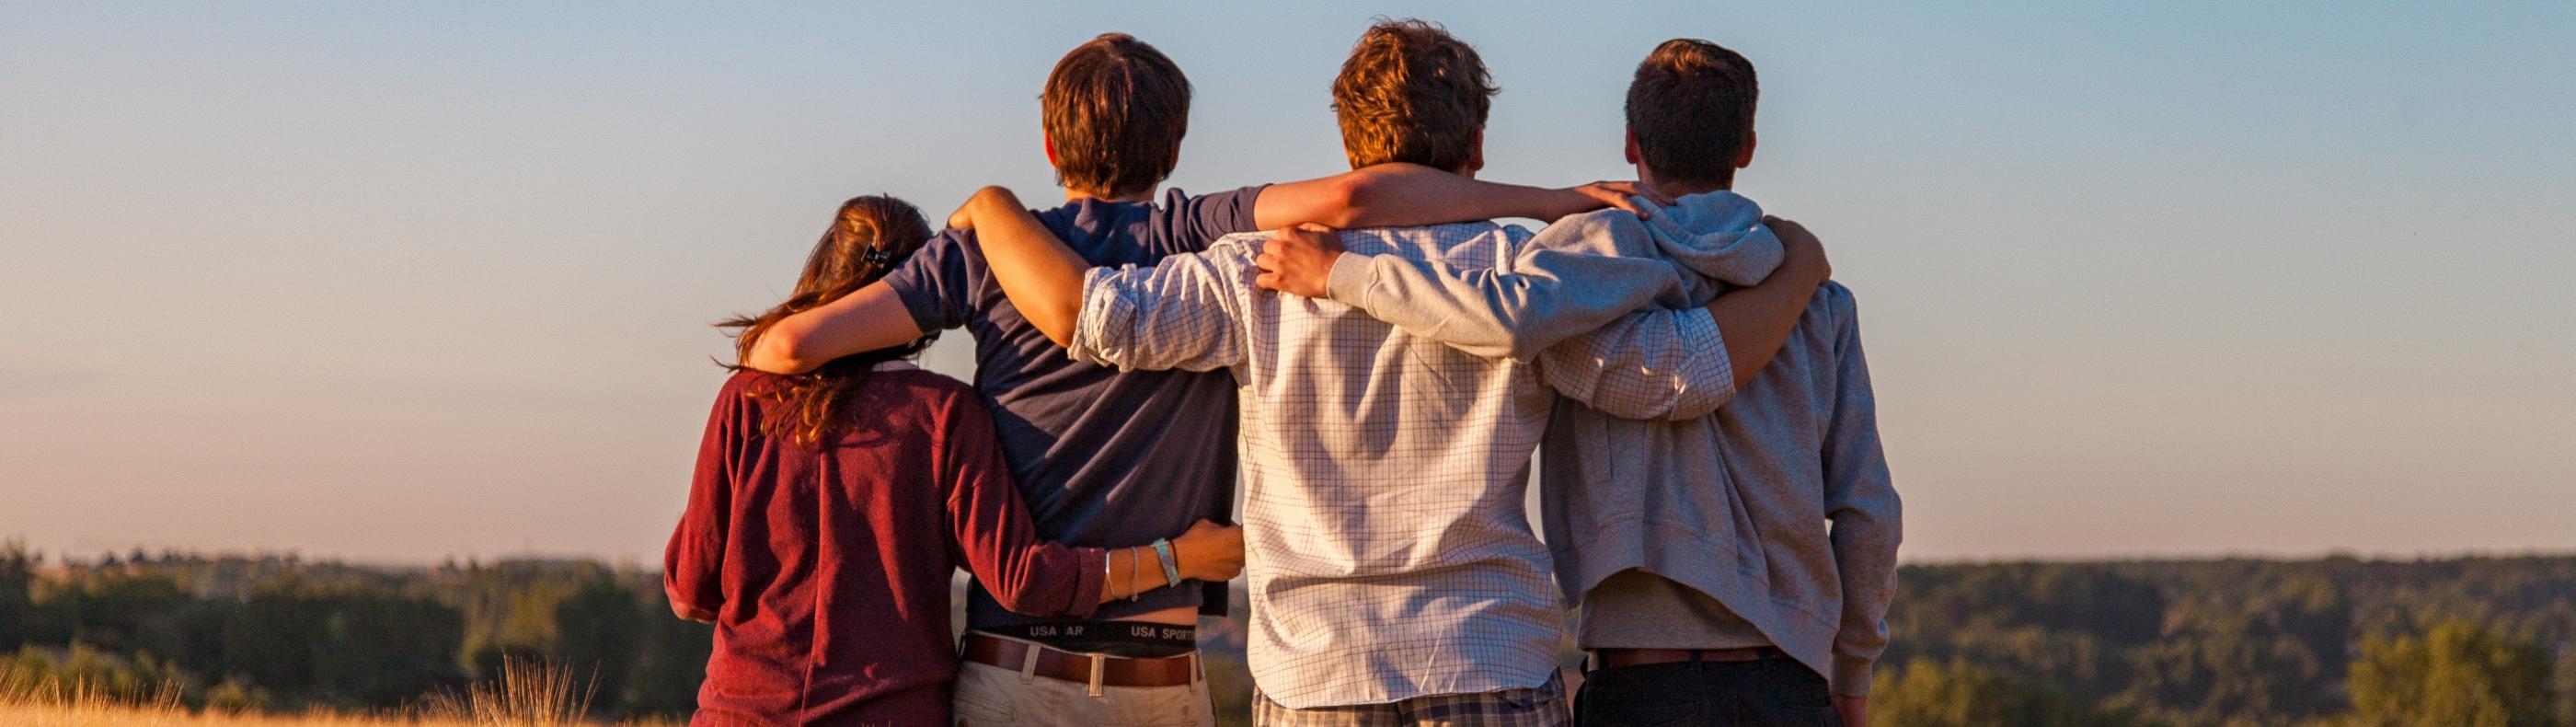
point(1666, 364)
point(1184, 313)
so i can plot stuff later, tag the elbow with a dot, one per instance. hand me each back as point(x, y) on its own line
point(1348, 200)
point(780, 350)
point(1059, 329)
point(682, 607)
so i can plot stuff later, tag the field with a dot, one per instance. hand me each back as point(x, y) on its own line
point(523, 695)
point(2209, 643)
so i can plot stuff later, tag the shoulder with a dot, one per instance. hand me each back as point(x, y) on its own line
point(1607, 231)
point(1606, 218)
point(1834, 301)
point(1175, 200)
point(745, 384)
point(1240, 244)
point(923, 384)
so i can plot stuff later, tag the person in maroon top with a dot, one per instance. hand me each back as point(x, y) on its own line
point(829, 510)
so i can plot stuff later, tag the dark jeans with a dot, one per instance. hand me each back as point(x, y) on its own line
point(1764, 693)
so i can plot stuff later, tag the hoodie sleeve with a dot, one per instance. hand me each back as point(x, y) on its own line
point(1861, 502)
point(1569, 279)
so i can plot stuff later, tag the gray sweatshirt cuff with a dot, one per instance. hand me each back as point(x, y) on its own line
point(1349, 282)
point(1851, 676)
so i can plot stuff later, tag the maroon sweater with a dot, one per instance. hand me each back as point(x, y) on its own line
point(827, 569)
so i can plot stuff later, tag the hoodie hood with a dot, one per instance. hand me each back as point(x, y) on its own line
point(1719, 235)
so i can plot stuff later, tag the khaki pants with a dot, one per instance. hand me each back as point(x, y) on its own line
point(991, 695)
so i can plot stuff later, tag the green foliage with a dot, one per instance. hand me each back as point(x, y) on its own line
point(17, 579)
point(1927, 693)
point(595, 633)
point(2455, 675)
point(2172, 644)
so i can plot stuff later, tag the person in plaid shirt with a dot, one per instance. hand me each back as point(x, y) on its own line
point(1394, 577)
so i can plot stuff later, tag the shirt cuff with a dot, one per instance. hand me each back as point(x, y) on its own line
point(1851, 676)
point(1104, 312)
point(1349, 282)
point(1091, 578)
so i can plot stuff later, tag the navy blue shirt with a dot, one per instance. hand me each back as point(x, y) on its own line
point(1105, 459)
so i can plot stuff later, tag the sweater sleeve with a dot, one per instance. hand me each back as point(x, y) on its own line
point(989, 524)
point(692, 565)
point(1861, 502)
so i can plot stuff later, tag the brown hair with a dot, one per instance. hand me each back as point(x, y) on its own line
point(1691, 108)
point(1411, 92)
point(1115, 109)
point(867, 238)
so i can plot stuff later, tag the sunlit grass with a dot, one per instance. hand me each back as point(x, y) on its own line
point(527, 694)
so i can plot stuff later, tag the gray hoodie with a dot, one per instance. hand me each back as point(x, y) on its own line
point(1733, 503)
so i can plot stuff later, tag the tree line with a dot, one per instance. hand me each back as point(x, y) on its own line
point(2214, 643)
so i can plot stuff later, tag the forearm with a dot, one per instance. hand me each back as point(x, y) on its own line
point(1042, 277)
point(1755, 322)
point(1398, 195)
point(1131, 571)
point(868, 319)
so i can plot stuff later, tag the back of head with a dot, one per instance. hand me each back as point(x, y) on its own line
point(1115, 110)
point(868, 237)
point(1691, 109)
point(1411, 92)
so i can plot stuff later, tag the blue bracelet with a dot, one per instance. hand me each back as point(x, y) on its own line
point(1171, 571)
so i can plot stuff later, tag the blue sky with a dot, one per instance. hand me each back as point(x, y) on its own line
point(402, 282)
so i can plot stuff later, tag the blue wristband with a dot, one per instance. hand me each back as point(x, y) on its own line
point(1171, 570)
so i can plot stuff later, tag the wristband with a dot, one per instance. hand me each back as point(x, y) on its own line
point(1171, 571)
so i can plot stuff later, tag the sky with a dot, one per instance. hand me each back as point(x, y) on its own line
point(406, 282)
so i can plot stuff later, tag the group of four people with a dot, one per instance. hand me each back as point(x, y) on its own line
point(1714, 494)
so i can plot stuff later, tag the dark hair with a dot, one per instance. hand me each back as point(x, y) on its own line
point(1411, 92)
point(867, 238)
point(1115, 109)
point(1691, 107)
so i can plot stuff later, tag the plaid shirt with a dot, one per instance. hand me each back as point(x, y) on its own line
point(1389, 555)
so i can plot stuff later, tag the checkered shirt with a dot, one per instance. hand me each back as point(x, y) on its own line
point(1389, 555)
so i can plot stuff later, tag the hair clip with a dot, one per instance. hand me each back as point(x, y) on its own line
point(880, 257)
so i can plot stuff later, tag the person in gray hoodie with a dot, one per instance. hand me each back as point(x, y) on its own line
point(1733, 569)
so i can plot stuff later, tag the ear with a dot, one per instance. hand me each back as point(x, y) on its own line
point(1476, 154)
point(1050, 148)
point(1635, 156)
point(1745, 158)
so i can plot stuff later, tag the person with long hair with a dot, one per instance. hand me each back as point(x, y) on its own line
point(830, 508)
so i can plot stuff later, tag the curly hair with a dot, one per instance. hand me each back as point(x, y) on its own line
point(1411, 92)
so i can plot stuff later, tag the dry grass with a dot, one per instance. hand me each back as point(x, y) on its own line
point(527, 695)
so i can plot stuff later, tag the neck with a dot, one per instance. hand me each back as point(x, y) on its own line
point(1077, 195)
point(1682, 189)
point(1685, 189)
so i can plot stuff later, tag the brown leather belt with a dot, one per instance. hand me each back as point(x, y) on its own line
point(1615, 658)
point(1114, 671)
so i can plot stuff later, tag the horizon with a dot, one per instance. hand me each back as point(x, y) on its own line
point(398, 284)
